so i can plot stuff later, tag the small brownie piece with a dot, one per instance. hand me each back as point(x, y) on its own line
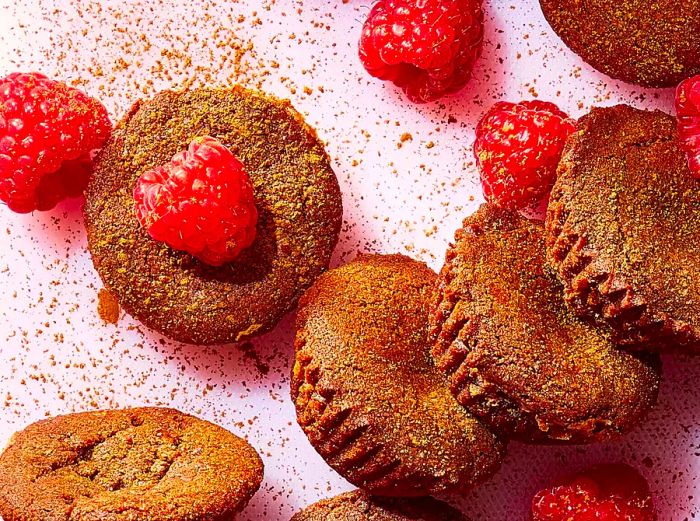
point(360, 506)
point(148, 464)
point(296, 195)
point(515, 355)
point(654, 44)
point(366, 392)
point(623, 228)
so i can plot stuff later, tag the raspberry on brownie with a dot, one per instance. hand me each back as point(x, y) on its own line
point(654, 44)
point(147, 464)
point(360, 506)
point(297, 200)
point(366, 393)
point(623, 228)
point(515, 356)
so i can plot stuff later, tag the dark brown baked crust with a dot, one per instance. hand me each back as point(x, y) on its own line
point(148, 464)
point(654, 44)
point(366, 393)
point(296, 193)
point(515, 355)
point(623, 228)
point(360, 506)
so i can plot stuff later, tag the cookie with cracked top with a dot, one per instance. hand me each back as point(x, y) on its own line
point(360, 506)
point(515, 355)
point(653, 44)
point(623, 229)
point(148, 464)
point(366, 392)
point(296, 195)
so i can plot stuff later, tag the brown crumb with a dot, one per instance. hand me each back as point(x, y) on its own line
point(108, 307)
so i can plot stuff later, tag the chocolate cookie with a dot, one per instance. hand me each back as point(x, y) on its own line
point(654, 44)
point(515, 355)
point(360, 506)
point(147, 464)
point(296, 195)
point(623, 228)
point(366, 393)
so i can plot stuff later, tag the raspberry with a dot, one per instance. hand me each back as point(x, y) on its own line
point(200, 202)
point(518, 148)
point(47, 133)
point(605, 493)
point(426, 47)
point(688, 113)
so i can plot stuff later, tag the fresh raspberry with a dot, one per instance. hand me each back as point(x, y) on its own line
point(518, 148)
point(605, 493)
point(47, 133)
point(688, 113)
point(200, 202)
point(426, 47)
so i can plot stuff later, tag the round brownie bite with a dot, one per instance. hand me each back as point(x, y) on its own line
point(360, 506)
point(148, 464)
point(515, 355)
point(366, 392)
point(296, 195)
point(623, 228)
point(653, 44)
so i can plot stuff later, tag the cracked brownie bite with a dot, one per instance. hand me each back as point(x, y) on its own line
point(148, 464)
point(653, 44)
point(366, 392)
point(296, 219)
point(515, 356)
point(360, 506)
point(623, 228)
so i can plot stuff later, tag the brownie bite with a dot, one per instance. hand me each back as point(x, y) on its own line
point(366, 392)
point(653, 44)
point(623, 228)
point(515, 355)
point(148, 464)
point(360, 506)
point(297, 198)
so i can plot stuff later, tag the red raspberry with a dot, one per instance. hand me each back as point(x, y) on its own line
point(688, 113)
point(201, 202)
point(604, 493)
point(518, 148)
point(426, 47)
point(47, 133)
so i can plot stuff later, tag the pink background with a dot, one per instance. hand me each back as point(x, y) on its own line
point(56, 354)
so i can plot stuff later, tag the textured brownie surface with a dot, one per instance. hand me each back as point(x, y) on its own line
point(366, 392)
point(360, 506)
point(515, 355)
point(623, 228)
point(296, 194)
point(148, 464)
point(655, 44)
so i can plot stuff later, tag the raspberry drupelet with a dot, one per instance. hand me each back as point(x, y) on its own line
point(201, 202)
point(428, 48)
point(517, 149)
point(48, 131)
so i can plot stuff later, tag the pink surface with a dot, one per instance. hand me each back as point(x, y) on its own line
point(57, 356)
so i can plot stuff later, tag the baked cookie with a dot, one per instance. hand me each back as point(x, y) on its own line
point(654, 44)
point(144, 464)
point(623, 228)
point(296, 194)
point(366, 393)
point(360, 506)
point(515, 355)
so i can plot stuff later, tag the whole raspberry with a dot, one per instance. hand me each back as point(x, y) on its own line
point(426, 47)
point(518, 148)
point(614, 492)
point(688, 113)
point(200, 202)
point(47, 133)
